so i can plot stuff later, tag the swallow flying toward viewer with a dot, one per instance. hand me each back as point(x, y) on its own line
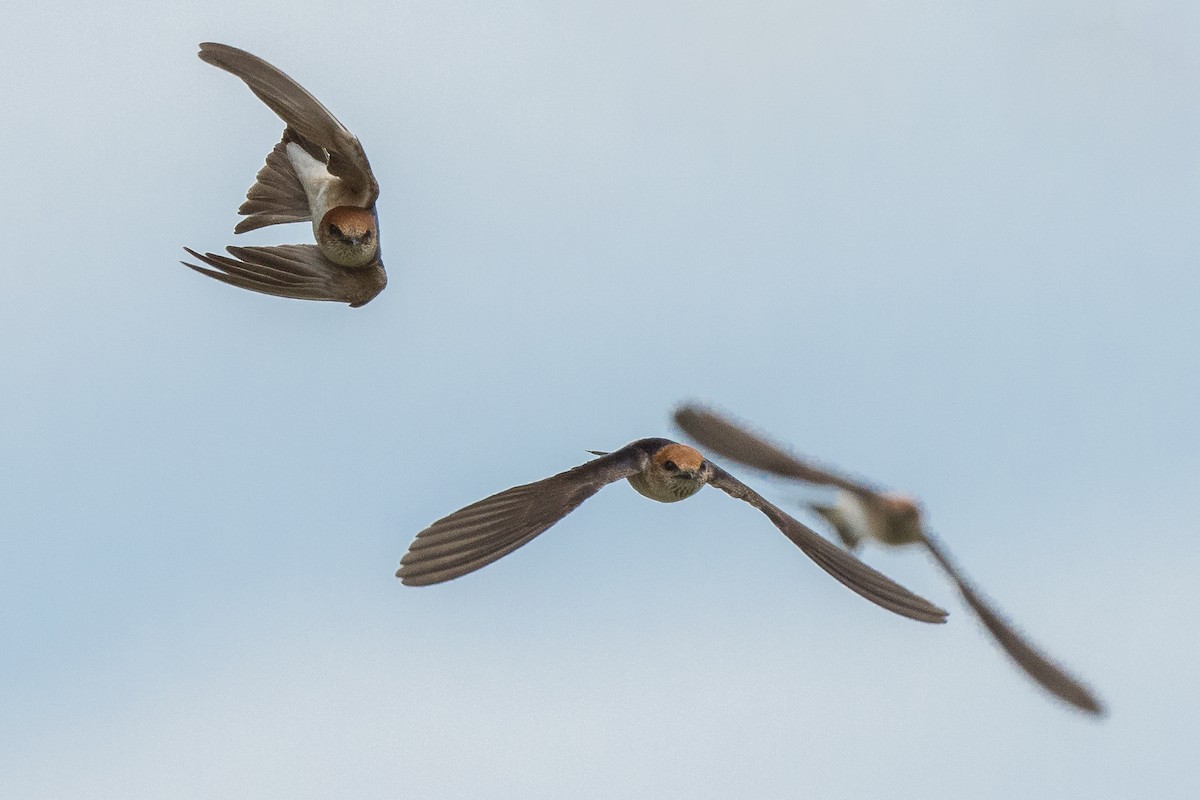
point(660, 469)
point(317, 172)
point(863, 512)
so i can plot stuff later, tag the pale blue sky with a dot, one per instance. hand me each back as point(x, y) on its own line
point(948, 246)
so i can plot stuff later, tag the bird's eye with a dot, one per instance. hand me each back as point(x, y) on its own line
point(336, 231)
point(669, 466)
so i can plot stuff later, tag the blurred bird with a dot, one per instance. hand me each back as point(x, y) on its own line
point(863, 512)
point(317, 172)
point(660, 469)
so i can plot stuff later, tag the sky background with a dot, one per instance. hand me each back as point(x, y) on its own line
point(950, 247)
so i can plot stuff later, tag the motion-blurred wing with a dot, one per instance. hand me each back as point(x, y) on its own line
point(477, 535)
point(1036, 664)
point(303, 113)
point(732, 440)
point(854, 574)
point(293, 270)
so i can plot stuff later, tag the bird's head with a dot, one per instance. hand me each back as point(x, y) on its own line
point(904, 517)
point(679, 462)
point(675, 472)
point(349, 236)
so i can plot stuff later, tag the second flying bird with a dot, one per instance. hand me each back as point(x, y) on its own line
point(864, 512)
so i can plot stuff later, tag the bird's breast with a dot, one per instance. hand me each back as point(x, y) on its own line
point(874, 520)
point(664, 489)
point(862, 519)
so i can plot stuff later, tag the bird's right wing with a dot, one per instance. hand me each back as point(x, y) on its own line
point(852, 573)
point(1035, 663)
point(477, 535)
point(293, 270)
point(734, 441)
point(301, 111)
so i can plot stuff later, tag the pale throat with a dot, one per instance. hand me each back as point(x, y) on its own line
point(665, 487)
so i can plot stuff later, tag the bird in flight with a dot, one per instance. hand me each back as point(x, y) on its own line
point(863, 512)
point(317, 172)
point(660, 469)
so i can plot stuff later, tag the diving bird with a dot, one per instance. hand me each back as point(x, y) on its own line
point(660, 469)
point(863, 512)
point(317, 172)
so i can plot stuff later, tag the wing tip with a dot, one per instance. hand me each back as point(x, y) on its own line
point(915, 607)
point(413, 575)
point(203, 260)
point(1076, 695)
point(250, 223)
point(211, 52)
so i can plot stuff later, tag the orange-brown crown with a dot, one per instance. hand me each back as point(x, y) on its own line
point(681, 455)
point(901, 504)
point(352, 222)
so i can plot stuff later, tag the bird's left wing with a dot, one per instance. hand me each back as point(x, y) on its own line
point(1035, 663)
point(477, 535)
point(299, 271)
point(855, 575)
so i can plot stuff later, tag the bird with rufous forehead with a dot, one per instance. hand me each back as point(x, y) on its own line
point(317, 172)
point(662, 470)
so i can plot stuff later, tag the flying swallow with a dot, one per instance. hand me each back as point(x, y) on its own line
point(861, 512)
point(660, 469)
point(317, 172)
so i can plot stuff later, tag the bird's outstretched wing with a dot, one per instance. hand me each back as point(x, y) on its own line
point(477, 535)
point(735, 441)
point(302, 112)
point(293, 270)
point(855, 575)
point(1035, 663)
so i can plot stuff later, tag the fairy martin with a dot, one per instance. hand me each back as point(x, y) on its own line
point(319, 172)
point(861, 512)
point(660, 469)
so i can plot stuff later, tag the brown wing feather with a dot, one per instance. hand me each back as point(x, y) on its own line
point(855, 575)
point(298, 271)
point(1035, 663)
point(301, 111)
point(276, 196)
point(731, 440)
point(482, 532)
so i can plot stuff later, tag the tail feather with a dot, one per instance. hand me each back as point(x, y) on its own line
point(277, 195)
point(851, 540)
